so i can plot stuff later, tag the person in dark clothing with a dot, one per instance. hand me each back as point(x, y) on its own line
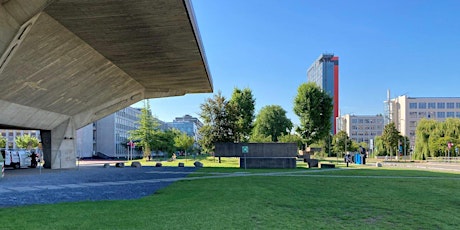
point(33, 161)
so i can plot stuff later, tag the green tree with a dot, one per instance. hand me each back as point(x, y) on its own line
point(183, 142)
point(272, 121)
point(26, 142)
point(404, 142)
point(166, 140)
point(244, 104)
point(291, 138)
point(219, 122)
point(341, 143)
point(148, 125)
point(2, 142)
point(260, 138)
point(425, 130)
point(379, 147)
point(313, 106)
point(390, 137)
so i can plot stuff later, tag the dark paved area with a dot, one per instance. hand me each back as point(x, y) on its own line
point(34, 186)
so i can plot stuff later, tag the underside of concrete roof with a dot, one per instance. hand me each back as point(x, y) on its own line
point(87, 59)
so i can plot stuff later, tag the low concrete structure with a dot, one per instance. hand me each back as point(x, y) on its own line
point(66, 64)
point(260, 155)
point(326, 165)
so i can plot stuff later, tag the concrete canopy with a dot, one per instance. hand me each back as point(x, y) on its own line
point(67, 63)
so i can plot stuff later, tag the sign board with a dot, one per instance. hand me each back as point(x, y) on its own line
point(245, 149)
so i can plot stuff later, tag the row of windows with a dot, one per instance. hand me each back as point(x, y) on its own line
point(360, 139)
point(358, 127)
point(366, 121)
point(449, 114)
point(434, 105)
point(372, 133)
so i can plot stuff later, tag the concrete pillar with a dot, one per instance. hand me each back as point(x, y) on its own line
point(45, 136)
point(59, 146)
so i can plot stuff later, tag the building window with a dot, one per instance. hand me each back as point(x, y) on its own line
point(441, 105)
point(457, 114)
point(457, 105)
point(413, 114)
point(421, 114)
point(431, 105)
point(441, 114)
point(450, 114)
point(450, 105)
point(412, 105)
point(422, 105)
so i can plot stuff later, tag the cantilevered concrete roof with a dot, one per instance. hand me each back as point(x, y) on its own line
point(85, 59)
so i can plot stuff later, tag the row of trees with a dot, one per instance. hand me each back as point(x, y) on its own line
point(23, 142)
point(150, 137)
point(234, 120)
point(436, 138)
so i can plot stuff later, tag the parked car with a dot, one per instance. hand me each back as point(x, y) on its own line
point(17, 158)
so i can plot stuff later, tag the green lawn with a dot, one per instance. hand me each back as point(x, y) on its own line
point(353, 198)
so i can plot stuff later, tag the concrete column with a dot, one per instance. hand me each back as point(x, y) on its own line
point(59, 146)
point(45, 136)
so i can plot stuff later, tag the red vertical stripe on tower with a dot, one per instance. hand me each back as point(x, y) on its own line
point(336, 91)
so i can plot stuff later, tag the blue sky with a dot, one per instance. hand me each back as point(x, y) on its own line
point(409, 47)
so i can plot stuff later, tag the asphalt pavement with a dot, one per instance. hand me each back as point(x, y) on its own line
point(88, 182)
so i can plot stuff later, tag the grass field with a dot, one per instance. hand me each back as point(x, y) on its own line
point(348, 198)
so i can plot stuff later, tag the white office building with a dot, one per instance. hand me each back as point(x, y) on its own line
point(11, 134)
point(406, 111)
point(361, 128)
point(108, 136)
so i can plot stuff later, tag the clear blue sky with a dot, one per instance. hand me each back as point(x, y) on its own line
point(409, 47)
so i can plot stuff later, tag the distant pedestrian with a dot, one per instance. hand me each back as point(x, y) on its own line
point(33, 161)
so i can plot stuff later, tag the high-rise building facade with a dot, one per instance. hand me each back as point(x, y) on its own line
point(406, 112)
point(325, 73)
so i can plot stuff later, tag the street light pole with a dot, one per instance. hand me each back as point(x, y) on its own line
point(405, 148)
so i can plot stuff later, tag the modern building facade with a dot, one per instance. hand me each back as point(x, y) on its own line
point(361, 128)
point(11, 134)
point(325, 73)
point(187, 124)
point(109, 135)
point(406, 112)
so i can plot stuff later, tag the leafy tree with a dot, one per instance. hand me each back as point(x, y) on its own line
point(2, 142)
point(244, 104)
point(314, 108)
point(164, 141)
point(390, 137)
point(291, 138)
point(425, 129)
point(183, 141)
point(272, 121)
point(219, 122)
point(260, 138)
point(404, 142)
point(148, 125)
point(26, 142)
point(341, 143)
point(379, 147)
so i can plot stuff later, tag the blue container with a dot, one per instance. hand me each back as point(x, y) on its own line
point(357, 158)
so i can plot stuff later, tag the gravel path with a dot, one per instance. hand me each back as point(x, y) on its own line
point(32, 186)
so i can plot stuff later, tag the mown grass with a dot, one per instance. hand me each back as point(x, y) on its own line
point(314, 199)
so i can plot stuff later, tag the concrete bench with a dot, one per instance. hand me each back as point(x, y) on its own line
point(312, 163)
point(325, 165)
